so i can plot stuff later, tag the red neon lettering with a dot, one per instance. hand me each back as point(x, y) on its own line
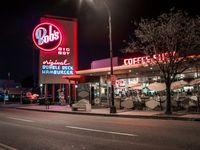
point(119, 82)
point(128, 61)
point(148, 59)
point(163, 57)
point(140, 60)
point(143, 60)
point(135, 61)
point(155, 57)
point(158, 58)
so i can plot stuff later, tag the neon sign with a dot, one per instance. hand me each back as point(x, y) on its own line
point(56, 62)
point(56, 38)
point(47, 36)
point(55, 67)
point(63, 51)
point(163, 57)
point(120, 82)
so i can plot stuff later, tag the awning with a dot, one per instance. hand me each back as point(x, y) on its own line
point(178, 84)
point(73, 77)
point(195, 81)
point(156, 86)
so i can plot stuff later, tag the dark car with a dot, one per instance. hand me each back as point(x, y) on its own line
point(1, 96)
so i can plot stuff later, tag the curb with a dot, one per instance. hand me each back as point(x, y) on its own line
point(118, 115)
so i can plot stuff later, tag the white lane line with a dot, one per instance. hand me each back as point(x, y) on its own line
point(6, 147)
point(20, 119)
point(102, 131)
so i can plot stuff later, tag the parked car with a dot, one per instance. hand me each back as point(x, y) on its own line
point(1, 96)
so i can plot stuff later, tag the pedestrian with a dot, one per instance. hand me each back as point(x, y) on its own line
point(47, 104)
point(6, 97)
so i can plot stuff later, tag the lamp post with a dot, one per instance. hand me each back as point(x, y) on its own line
point(112, 107)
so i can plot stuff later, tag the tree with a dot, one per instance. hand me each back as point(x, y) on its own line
point(174, 34)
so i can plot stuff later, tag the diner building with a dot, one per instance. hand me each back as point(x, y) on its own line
point(133, 78)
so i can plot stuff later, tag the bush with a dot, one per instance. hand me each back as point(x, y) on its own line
point(26, 101)
point(138, 105)
point(42, 101)
point(34, 101)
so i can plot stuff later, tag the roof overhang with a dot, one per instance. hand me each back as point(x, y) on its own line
point(107, 69)
point(72, 77)
point(120, 69)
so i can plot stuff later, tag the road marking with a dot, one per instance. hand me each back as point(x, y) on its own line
point(20, 119)
point(6, 147)
point(102, 131)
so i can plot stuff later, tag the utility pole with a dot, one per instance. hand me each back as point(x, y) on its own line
point(112, 107)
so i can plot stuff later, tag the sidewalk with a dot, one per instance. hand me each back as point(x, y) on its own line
point(120, 113)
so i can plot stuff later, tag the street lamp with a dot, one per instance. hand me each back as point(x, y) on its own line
point(112, 107)
point(112, 77)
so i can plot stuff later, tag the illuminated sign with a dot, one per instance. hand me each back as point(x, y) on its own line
point(120, 82)
point(47, 36)
point(163, 57)
point(58, 54)
point(57, 68)
point(56, 62)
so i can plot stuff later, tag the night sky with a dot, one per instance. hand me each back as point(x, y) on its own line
point(18, 55)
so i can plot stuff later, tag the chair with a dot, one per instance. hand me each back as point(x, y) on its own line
point(127, 103)
point(82, 105)
point(152, 104)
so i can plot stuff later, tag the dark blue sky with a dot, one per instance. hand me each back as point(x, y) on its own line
point(18, 20)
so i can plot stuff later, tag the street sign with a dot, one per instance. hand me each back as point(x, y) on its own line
point(113, 79)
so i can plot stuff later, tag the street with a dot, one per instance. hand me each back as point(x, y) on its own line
point(32, 130)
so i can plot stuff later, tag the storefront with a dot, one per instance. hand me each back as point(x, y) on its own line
point(133, 75)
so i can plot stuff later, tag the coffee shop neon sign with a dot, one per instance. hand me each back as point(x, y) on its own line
point(47, 36)
point(163, 57)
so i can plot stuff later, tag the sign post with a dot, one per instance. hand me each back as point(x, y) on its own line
point(113, 79)
point(56, 38)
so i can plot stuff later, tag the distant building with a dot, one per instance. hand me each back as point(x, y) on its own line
point(7, 83)
point(11, 85)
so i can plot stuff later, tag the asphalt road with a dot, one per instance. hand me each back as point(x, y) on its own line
point(31, 130)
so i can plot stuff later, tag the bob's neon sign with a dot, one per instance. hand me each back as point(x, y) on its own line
point(47, 36)
point(163, 57)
